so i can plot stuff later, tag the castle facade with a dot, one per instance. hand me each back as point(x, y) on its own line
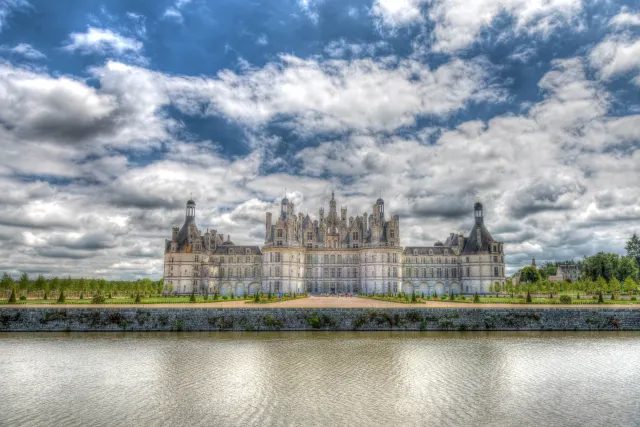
point(331, 254)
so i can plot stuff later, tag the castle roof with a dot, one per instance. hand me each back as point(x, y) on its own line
point(471, 243)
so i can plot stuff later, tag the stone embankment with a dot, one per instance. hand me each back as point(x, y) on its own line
point(334, 319)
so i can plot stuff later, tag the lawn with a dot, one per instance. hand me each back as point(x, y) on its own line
point(149, 300)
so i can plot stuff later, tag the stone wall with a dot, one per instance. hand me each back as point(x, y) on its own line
point(270, 319)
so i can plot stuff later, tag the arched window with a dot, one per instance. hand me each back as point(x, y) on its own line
point(339, 259)
point(247, 272)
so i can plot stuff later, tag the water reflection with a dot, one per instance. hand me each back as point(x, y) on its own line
point(342, 378)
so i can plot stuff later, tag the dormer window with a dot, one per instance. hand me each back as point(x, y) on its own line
point(279, 232)
point(230, 251)
point(415, 252)
point(430, 251)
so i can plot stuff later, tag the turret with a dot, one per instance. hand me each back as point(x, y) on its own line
point(191, 210)
point(477, 208)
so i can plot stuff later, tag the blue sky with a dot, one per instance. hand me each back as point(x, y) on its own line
point(113, 113)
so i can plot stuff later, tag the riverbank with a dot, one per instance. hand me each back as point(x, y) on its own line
point(253, 318)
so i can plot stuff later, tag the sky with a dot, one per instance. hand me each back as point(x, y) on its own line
point(113, 113)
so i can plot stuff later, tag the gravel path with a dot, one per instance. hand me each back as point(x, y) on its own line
point(319, 302)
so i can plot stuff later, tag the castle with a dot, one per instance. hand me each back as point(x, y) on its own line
point(331, 254)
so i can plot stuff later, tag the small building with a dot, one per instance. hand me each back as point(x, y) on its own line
point(566, 272)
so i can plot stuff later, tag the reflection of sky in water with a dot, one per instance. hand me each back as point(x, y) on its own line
point(319, 379)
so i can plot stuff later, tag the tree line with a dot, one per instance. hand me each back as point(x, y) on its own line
point(597, 274)
point(45, 287)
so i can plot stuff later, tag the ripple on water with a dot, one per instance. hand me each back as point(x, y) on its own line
point(355, 379)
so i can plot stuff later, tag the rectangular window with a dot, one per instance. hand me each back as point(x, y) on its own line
point(439, 273)
point(395, 271)
point(279, 233)
point(339, 273)
point(468, 270)
point(333, 273)
point(197, 258)
point(495, 271)
point(325, 273)
point(309, 236)
point(408, 272)
point(453, 273)
point(392, 234)
point(467, 259)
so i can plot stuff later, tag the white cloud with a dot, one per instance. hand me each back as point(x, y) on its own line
point(262, 40)
point(458, 22)
point(625, 19)
point(102, 41)
point(7, 7)
point(615, 56)
point(397, 13)
point(25, 50)
point(310, 9)
point(173, 13)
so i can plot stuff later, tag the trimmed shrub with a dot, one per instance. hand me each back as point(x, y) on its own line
point(633, 298)
point(528, 300)
point(231, 295)
point(81, 295)
point(61, 298)
point(192, 298)
point(476, 298)
point(23, 297)
point(600, 298)
point(138, 300)
point(206, 297)
point(46, 295)
point(12, 297)
point(97, 299)
point(565, 299)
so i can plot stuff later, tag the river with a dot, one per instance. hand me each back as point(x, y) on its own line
point(320, 379)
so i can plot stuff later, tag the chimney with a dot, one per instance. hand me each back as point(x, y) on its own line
point(267, 234)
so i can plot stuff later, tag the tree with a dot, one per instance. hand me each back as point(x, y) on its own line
point(529, 274)
point(614, 285)
point(23, 282)
point(629, 285)
point(633, 249)
point(7, 282)
point(627, 266)
point(601, 265)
